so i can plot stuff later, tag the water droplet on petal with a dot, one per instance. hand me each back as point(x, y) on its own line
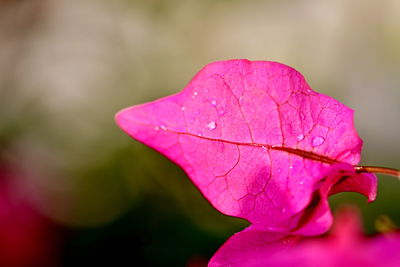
point(156, 128)
point(317, 141)
point(163, 127)
point(290, 167)
point(199, 134)
point(211, 125)
point(194, 95)
point(300, 137)
point(283, 210)
point(183, 108)
point(264, 147)
point(301, 182)
point(214, 103)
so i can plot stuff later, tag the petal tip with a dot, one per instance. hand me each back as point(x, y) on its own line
point(121, 118)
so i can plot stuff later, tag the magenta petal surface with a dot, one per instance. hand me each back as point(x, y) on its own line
point(344, 247)
point(317, 217)
point(230, 130)
point(249, 247)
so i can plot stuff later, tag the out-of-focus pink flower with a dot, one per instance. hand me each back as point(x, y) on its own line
point(26, 237)
point(345, 246)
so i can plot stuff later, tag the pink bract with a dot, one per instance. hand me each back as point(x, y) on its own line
point(258, 142)
point(346, 246)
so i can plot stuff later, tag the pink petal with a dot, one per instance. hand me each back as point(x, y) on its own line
point(346, 246)
point(241, 130)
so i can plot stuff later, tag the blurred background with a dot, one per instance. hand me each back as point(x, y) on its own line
point(75, 189)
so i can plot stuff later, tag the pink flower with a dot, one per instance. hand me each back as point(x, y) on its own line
point(258, 142)
point(26, 237)
point(345, 246)
point(261, 145)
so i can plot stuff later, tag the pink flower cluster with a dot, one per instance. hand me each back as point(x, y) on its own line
point(261, 145)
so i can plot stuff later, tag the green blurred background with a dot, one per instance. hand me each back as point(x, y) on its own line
point(66, 67)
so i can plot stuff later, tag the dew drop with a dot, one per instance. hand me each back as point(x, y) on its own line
point(283, 210)
point(194, 95)
point(199, 134)
point(214, 103)
point(300, 137)
point(317, 141)
point(183, 108)
point(301, 182)
point(156, 128)
point(211, 125)
point(264, 147)
point(290, 167)
point(163, 127)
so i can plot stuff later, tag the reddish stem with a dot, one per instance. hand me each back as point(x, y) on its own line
point(374, 169)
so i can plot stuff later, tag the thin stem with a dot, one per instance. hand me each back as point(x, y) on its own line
point(374, 169)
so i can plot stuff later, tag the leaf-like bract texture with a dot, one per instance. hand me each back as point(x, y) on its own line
point(257, 141)
point(345, 246)
point(252, 247)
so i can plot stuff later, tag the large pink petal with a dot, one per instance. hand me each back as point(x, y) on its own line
point(252, 136)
